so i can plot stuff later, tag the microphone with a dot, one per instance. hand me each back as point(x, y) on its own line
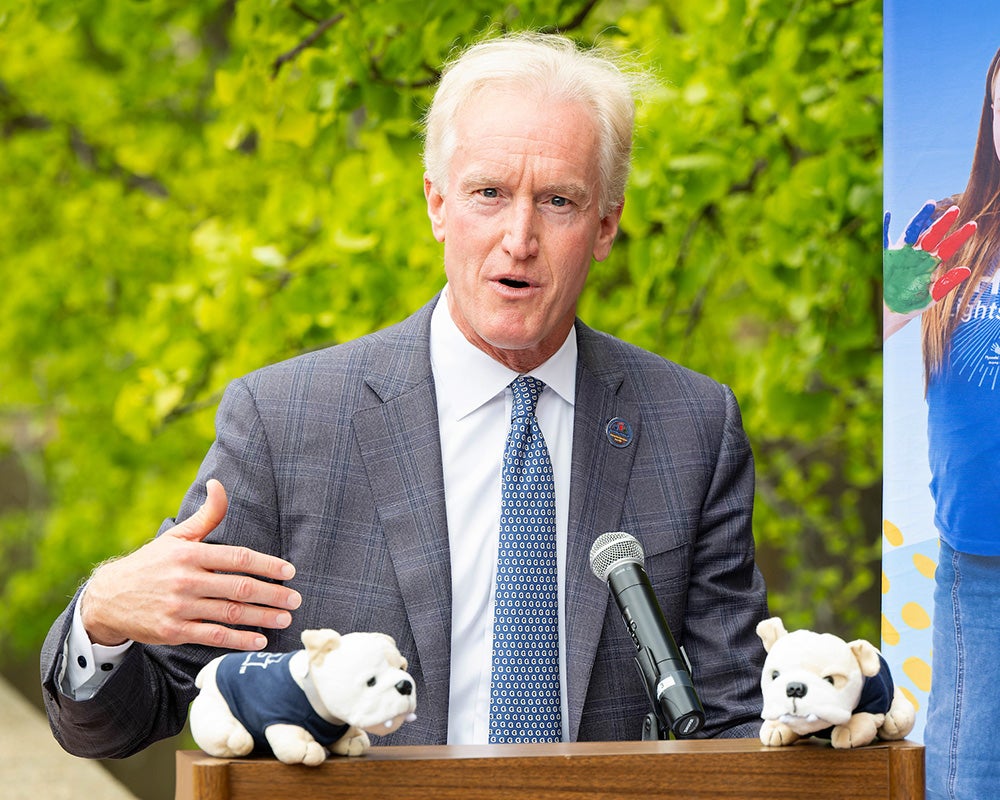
point(618, 558)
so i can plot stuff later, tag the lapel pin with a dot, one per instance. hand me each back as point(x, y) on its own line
point(619, 432)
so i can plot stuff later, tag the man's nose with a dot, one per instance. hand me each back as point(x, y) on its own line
point(520, 238)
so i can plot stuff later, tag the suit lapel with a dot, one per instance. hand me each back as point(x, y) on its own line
point(600, 479)
point(401, 448)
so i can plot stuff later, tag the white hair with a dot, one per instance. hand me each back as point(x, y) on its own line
point(551, 67)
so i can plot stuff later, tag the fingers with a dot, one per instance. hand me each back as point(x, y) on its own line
point(230, 558)
point(242, 590)
point(951, 245)
point(208, 516)
point(919, 223)
point(178, 589)
point(209, 614)
point(220, 636)
point(930, 240)
point(162, 595)
point(211, 623)
point(949, 281)
point(226, 558)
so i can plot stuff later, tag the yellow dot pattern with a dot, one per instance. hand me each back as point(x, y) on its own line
point(925, 566)
point(892, 534)
point(890, 635)
point(916, 617)
point(907, 594)
point(918, 671)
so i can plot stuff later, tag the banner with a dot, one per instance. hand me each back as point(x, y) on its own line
point(936, 60)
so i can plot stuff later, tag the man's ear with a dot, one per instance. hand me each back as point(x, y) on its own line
point(435, 207)
point(608, 231)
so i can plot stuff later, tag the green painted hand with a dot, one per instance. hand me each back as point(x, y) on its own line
point(908, 271)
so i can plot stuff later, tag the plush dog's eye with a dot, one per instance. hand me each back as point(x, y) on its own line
point(774, 674)
point(829, 679)
point(371, 681)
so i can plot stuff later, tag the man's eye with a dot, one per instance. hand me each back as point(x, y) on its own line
point(491, 193)
point(560, 202)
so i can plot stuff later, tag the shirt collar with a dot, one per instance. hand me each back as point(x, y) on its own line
point(466, 378)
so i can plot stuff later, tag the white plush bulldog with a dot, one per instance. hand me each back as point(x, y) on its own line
point(818, 684)
point(298, 704)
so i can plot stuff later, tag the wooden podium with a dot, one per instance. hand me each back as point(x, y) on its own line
point(741, 769)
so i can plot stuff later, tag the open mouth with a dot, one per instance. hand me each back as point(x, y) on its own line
point(514, 284)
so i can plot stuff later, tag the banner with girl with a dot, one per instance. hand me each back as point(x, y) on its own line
point(941, 555)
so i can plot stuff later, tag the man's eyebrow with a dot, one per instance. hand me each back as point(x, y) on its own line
point(574, 191)
point(479, 179)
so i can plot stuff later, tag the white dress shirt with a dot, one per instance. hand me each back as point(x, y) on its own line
point(474, 406)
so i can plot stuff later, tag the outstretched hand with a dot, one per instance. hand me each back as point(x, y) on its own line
point(179, 589)
point(911, 270)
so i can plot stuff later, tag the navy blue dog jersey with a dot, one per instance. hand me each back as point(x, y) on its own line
point(260, 691)
point(876, 695)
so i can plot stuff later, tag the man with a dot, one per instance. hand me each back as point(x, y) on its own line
point(377, 467)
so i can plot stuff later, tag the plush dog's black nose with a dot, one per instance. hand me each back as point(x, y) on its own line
point(404, 687)
point(796, 689)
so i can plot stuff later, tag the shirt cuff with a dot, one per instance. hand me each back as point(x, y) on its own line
point(86, 666)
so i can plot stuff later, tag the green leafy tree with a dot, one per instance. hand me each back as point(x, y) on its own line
point(194, 190)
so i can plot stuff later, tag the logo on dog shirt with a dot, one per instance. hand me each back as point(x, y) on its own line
point(262, 660)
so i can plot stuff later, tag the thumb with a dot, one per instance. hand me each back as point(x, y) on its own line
point(208, 516)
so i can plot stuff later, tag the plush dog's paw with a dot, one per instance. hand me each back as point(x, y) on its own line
point(776, 734)
point(861, 729)
point(354, 743)
point(294, 745)
point(900, 719)
point(240, 742)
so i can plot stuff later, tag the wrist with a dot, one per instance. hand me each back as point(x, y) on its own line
point(90, 607)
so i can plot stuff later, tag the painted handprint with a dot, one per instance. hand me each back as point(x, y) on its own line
point(909, 282)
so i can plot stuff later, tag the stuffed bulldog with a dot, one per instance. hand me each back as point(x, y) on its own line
point(299, 704)
point(816, 684)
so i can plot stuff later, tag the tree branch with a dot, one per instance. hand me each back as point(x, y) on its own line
point(92, 157)
point(575, 22)
point(292, 54)
point(378, 77)
point(304, 13)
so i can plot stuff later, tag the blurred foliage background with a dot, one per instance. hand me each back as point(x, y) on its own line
point(193, 190)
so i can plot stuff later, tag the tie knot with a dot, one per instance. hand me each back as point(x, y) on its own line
point(526, 392)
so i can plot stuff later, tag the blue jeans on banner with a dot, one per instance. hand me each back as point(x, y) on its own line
point(961, 739)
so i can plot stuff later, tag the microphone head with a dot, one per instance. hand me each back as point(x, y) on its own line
point(611, 549)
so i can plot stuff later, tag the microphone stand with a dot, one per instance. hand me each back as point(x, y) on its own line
point(667, 719)
point(652, 729)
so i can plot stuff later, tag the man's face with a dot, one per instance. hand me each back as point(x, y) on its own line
point(520, 223)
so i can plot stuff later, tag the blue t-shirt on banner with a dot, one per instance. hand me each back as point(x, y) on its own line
point(963, 429)
point(260, 691)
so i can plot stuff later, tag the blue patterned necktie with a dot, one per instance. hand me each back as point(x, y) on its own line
point(524, 694)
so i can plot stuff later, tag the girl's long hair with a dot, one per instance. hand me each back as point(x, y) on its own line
point(981, 202)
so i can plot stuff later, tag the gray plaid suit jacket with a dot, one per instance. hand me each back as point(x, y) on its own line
point(332, 460)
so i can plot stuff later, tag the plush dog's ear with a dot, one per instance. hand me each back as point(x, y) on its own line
point(867, 656)
point(320, 642)
point(770, 630)
point(392, 654)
